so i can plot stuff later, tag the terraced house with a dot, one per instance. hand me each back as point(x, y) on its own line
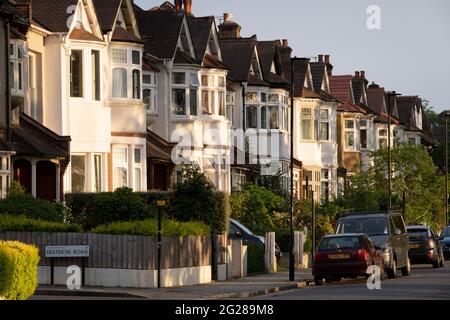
point(190, 89)
point(85, 69)
point(258, 101)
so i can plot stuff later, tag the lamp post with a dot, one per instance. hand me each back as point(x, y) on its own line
point(447, 114)
point(291, 242)
point(390, 94)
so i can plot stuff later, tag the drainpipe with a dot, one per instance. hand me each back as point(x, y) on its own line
point(8, 84)
point(243, 106)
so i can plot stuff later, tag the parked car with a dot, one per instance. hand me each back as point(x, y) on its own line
point(387, 231)
point(445, 240)
point(345, 255)
point(238, 231)
point(425, 246)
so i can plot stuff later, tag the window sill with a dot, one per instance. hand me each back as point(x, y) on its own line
point(126, 102)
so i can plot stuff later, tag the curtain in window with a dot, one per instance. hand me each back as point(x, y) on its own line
point(136, 84)
point(119, 89)
point(274, 118)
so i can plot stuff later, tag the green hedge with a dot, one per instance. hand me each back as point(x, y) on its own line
point(149, 227)
point(25, 224)
point(18, 265)
point(255, 258)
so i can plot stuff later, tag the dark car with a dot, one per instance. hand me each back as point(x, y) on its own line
point(238, 231)
point(387, 231)
point(445, 240)
point(424, 246)
point(345, 255)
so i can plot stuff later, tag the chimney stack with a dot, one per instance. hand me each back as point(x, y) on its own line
point(363, 74)
point(328, 64)
point(178, 5)
point(357, 74)
point(320, 58)
point(327, 58)
point(278, 42)
point(285, 43)
point(188, 6)
point(229, 29)
point(227, 17)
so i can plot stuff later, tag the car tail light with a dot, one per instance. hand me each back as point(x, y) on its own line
point(319, 257)
point(363, 255)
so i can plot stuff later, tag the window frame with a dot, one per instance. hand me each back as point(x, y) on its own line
point(353, 132)
point(130, 68)
point(152, 86)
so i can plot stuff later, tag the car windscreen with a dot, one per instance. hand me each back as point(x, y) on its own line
point(445, 233)
point(418, 233)
point(350, 242)
point(372, 226)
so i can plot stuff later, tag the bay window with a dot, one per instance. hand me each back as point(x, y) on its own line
point(78, 174)
point(97, 173)
point(76, 74)
point(252, 117)
point(251, 97)
point(178, 78)
point(274, 118)
point(230, 106)
point(136, 84)
point(363, 133)
point(306, 124)
point(193, 109)
point(120, 167)
point(273, 98)
point(179, 101)
point(263, 117)
point(126, 74)
point(208, 98)
point(382, 138)
point(120, 83)
point(221, 97)
point(137, 169)
point(17, 58)
point(324, 129)
point(349, 135)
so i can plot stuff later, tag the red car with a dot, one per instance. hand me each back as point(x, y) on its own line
point(345, 255)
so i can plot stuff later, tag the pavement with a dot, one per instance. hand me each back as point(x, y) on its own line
point(251, 286)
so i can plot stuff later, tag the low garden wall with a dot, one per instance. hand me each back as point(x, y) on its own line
point(128, 261)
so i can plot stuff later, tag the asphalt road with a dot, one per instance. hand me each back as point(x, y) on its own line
point(423, 283)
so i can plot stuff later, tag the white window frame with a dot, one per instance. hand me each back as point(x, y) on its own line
point(152, 86)
point(130, 68)
point(350, 130)
point(17, 75)
point(310, 118)
point(123, 165)
point(138, 165)
point(366, 128)
point(380, 137)
point(326, 122)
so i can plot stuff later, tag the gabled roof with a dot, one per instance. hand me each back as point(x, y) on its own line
point(106, 12)
point(161, 30)
point(300, 67)
point(269, 54)
point(200, 31)
point(84, 35)
point(318, 70)
point(52, 14)
point(158, 148)
point(341, 88)
point(351, 108)
point(359, 88)
point(122, 35)
point(376, 99)
point(285, 56)
point(407, 106)
point(238, 54)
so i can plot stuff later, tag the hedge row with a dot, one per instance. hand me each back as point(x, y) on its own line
point(25, 224)
point(95, 209)
point(149, 227)
point(18, 265)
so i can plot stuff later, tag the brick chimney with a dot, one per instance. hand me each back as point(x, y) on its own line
point(363, 74)
point(285, 43)
point(357, 74)
point(178, 5)
point(188, 6)
point(229, 29)
point(278, 42)
point(320, 58)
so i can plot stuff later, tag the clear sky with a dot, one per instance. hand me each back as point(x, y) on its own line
point(409, 54)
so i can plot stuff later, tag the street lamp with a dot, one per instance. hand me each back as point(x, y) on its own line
point(390, 94)
point(291, 242)
point(447, 114)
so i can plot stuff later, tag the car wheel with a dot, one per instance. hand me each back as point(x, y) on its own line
point(392, 272)
point(318, 281)
point(436, 263)
point(406, 271)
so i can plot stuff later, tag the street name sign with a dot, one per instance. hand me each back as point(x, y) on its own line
point(66, 251)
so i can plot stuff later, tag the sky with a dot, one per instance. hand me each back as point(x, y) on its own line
point(407, 48)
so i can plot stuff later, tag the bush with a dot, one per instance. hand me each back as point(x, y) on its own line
point(255, 258)
point(18, 265)
point(94, 209)
point(25, 224)
point(149, 227)
point(20, 203)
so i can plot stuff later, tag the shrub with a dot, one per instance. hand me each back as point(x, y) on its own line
point(94, 209)
point(149, 227)
point(25, 224)
point(18, 265)
point(255, 258)
point(20, 203)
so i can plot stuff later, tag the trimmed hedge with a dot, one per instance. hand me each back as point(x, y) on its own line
point(18, 265)
point(25, 224)
point(255, 258)
point(149, 227)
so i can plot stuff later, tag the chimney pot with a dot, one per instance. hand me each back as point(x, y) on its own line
point(357, 74)
point(320, 58)
point(363, 74)
point(227, 17)
point(278, 42)
point(285, 43)
point(188, 6)
point(327, 58)
point(178, 5)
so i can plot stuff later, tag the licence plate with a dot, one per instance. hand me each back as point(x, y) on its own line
point(339, 256)
point(414, 246)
